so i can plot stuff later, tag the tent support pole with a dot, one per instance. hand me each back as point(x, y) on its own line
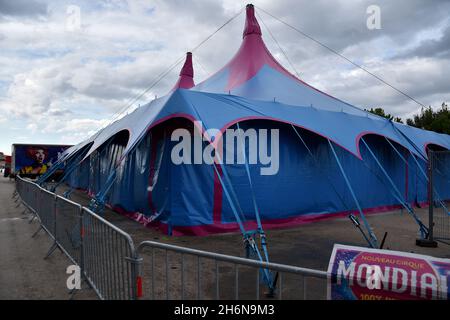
point(409, 141)
point(48, 174)
point(373, 240)
point(98, 202)
point(316, 164)
point(427, 180)
point(423, 229)
point(248, 238)
point(267, 274)
point(74, 163)
point(228, 180)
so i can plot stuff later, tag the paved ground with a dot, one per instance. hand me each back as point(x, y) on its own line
point(24, 274)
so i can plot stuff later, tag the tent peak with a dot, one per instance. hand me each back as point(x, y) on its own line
point(251, 23)
point(187, 69)
point(186, 78)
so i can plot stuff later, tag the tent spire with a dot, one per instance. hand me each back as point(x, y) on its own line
point(186, 78)
point(251, 24)
point(251, 56)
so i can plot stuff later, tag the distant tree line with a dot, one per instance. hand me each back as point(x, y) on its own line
point(380, 112)
point(428, 119)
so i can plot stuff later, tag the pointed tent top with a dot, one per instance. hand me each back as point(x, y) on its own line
point(187, 69)
point(254, 73)
point(186, 79)
point(251, 24)
point(251, 56)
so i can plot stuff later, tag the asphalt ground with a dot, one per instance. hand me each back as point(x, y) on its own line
point(24, 273)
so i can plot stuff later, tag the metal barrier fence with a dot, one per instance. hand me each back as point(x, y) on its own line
point(114, 269)
point(45, 210)
point(68, 228)
point(29, 194)
point(173, 272)
point(110, 261)
point(439, 167)
point(104, 253)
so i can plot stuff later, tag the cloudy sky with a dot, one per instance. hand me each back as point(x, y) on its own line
point(62, 78)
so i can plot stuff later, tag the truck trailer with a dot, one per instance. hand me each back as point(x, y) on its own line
point(33, 160)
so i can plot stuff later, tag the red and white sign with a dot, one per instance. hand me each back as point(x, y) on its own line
point(357, 273)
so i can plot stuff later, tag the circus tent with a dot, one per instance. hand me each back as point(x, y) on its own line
point(335, 159)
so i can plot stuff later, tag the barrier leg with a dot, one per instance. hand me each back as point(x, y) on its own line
point(37, 231)
point(82, 275)
point(51, 250)
point(136, 283)
point(32, 218)
point(82, 280)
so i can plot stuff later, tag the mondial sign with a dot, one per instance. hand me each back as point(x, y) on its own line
point(356, 273)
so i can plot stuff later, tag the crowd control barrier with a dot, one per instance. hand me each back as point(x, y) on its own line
point(116, 270)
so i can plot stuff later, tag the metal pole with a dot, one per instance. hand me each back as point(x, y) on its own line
point(167, 274)
point(236, 282)
point(373, 243)
point(182, 276)
point(199, 284)
point(136, 275)
point(429, 240)
point(431, 196)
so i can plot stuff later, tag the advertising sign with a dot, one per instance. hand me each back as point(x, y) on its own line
point(35, 159)
point(357, 273)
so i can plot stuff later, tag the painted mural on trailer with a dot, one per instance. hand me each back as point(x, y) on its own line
point(36, 160)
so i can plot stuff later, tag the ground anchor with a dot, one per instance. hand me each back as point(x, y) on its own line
point(426, 243)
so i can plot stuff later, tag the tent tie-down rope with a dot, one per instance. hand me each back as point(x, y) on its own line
point(302, 33)
point(423, 229)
